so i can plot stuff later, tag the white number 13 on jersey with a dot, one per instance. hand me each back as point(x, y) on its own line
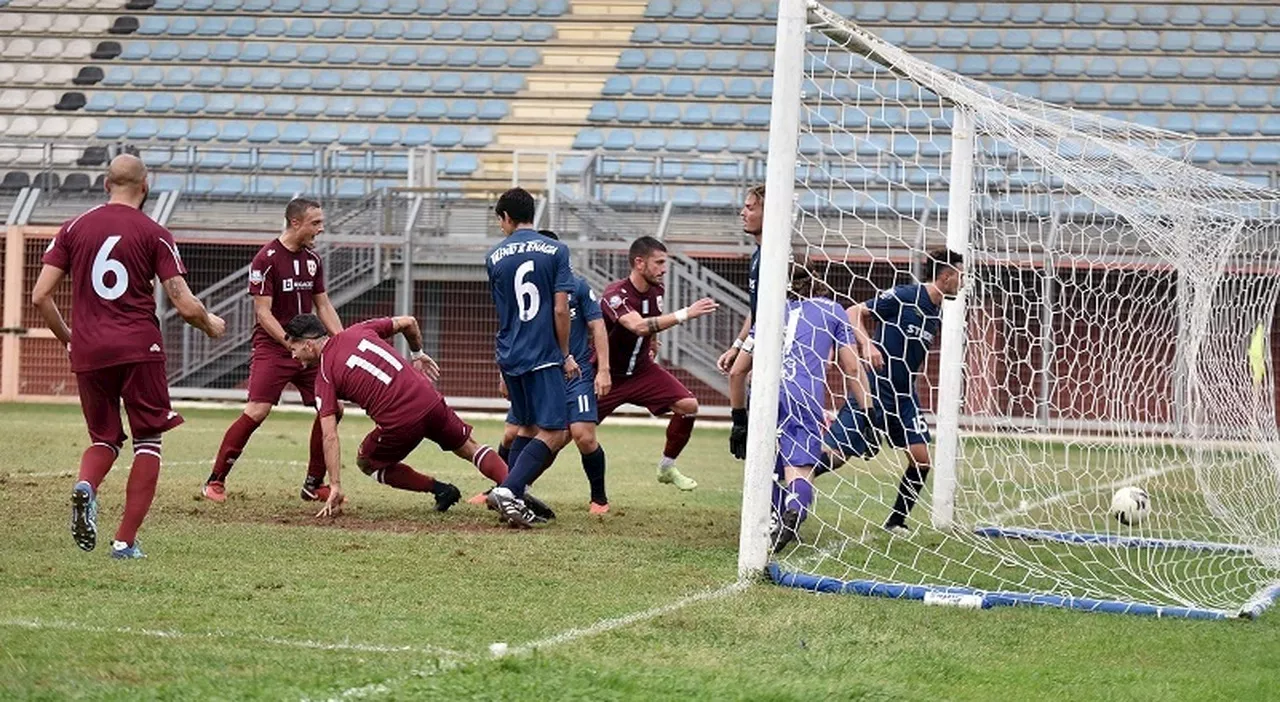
point(526, 291)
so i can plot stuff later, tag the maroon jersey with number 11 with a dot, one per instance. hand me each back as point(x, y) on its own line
point(114, 252)
point(359, 366)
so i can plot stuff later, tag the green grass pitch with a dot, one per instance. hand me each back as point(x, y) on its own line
point(255, 599)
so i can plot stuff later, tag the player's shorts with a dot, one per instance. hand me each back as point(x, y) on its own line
point(652, 388)
point(386, 446)
point(800, 430)
point(580, 403)
point(538, 398)
point(896, 417)
point(144, 387)
point(271, 370)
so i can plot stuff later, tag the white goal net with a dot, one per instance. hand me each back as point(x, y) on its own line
point(1113, 330)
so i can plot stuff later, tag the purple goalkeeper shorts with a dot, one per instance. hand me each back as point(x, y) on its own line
point(800, 429)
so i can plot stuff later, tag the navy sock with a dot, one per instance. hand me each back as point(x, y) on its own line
point(517, 445)
point(527, 466)
point(504, 452)
point(593, 466)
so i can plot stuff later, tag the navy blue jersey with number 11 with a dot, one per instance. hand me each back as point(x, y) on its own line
point(525, 271)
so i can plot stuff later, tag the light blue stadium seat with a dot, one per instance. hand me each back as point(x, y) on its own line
point(974, 65)
point(1209, 124)
point(1122, 94)
point(1004, 66)
point(448, 83)
point(1046, 39)
point(1221, 96)
point(619, 140)
point(1243, 125)
point(177, 77)
point(310, 106)
point(952, 39)
point(300, 28)
point(463, 109)
point(750, 10)
point(1270, 40)
point(710, 87)
point(161, 103)
point(681, 142)
point(1212, 42)
point(1256, 96)
point(283, 53)
point(1057, 93)
point(147, 76)
point(293, 133)
point(727, 116)
point(477, 31)
point(704, 35)
point(1148, 41)
point(415, 82)
point(758, 116)
point(619, 195)
point(208, 78)
point(297, 79)
point(358, 29)
point(371, 108)
point(1153, 15)
point(1089, 94)
point(721, 61)
point(1172, 41)
point(152, 26)
point(491, 57)
point(462, 8)
point(280, 106)
point(1230, 69)
point(588, 139)
point(385, 135)
point(233, 133)
point(754, 62)
point(224, 51)
point(765, 89)
point(112, 128)
point(143, 129)
point(403, 7)
point(739, 88)
point(165, 51)
point(373, 56)
point(650, 140)
point(313, 54)
point(736, 35)
point(664, 113)
point(476, 84)
point(403, 56)
point(1188, 96)
point(687, 9)
point(1134, 68)
point(492, 8)
point(323, 134)
point(1166, 69)
point(129, 103)
point(135, 51)
point(389, 30)
point(268, 79)
point(340, 107)
point(447, 137)
point(270, 27)
point(241, 27)
point(718, 197)
point(696, 114)
point(493, 110)
point(713, 142)
point(1068, 66)
point(689, 171)
point(676, 86)
point(329, 29)
point(921, 38)
point(315, 7)
point(645, 34)
point(402, 108)
point(1250, 16)
point(463, 57)
point(416, 135)
point(386, 82)
point(1232, 154)
point(686, 197)
point(523, 57)
point(228, 186)
point(263, 133)
point(658, 9)
point(674, 34)
point(343, 55)
point(100, 102)
point(433, 56)
point(633, 113)
point(1265, 154)
point(237, 78)
point(746, 143)
point(357, 81)
point(354, 135)
point(1270, 125)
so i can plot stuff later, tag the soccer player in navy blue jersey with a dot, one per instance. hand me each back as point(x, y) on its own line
point(752, 216)
point(586, 322)
point(816, 329)
point(908, 318)
point(530, 281)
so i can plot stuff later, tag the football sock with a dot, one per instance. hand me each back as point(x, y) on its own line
point(315, 465)
point(96, 462)
point(504, 452)
point(908, 492)
point(517, 446)
point(777, 497)
point(679, 429)
point(551, 459)
point(827, 463)
point(593, 466)
point(800, 496)
point(233, 443)
point(402, 477)
point(141, 488)
point(526, 466)
point(490, 464)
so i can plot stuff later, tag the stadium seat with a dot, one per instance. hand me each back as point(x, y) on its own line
point(293, 133)
point(447, 137)
point(688, 61)
point(475, 83)
point(740, 88)
point(1122, 94)
point(402, 108)
point(433, 56)
point(695, 114)
point(709, 87)
point(1255, 97)
point(588, 139)
point(650, 140)
point(727, 116)
point(357, 81)
point(523, 57)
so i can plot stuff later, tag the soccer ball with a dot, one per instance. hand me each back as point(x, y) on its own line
point(1130, 505)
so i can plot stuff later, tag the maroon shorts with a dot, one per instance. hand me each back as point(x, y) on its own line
point(653, 388)
point(387, 446)
point(144, 387)
point(271, 370)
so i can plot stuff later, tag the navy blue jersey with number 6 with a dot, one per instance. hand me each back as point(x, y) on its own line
point(525, 271)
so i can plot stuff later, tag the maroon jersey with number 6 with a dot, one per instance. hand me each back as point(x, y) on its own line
point(359, 366)
point(291, 279)
point(628, 353)
point(114, 252)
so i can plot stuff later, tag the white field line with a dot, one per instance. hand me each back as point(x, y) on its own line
point(447, 663)
point(124, 466)
point(54, 625)
point(998, 519)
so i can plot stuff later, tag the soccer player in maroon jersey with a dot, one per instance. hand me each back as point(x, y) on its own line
point(286, 279)
point(633, 316)
point(359, 366)
point(113, 253)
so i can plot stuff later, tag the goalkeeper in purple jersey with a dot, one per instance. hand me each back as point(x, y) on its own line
point(816, 327)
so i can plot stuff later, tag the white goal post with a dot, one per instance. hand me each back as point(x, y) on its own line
point(1113, 329)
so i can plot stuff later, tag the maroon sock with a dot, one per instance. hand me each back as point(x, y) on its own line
point(403, 477)
point(141, 488)
point(315, 466)
point(490, 464)
point(233, 443)
point(96, 463)
point(679, 429)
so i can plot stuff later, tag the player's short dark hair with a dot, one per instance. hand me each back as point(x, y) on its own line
point(304, 326)
point(940, 259)
point(805, 280)
point(517, 204)
point(298, 207)
point(549, 234)
point(644, 248)
point(758, 191)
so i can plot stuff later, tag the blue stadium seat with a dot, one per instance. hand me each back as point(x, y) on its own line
point(1250, 16)
point(475, 84)
point(270, 27)
point(371, 108)
point(152, 26)
point(340, 107)
point(323, 134)
point(463, 57)
point(477, 31)
point(492, 57)
point(1148, 41)
point(241, 27)
point(974, 65)
point(416, 82)
point(354, 135)
point(293, 133)
point(704, 34)
point(508, 83)
point(330, 29)
point(373, 56)
point(278, 106)
point(1230, 69)
point(1057, 93)
point(343, 55)
point(165, 51)
point(463, 109)
point(673, 34)
point(268, 79)
point(1243, 125)
point(713, 142)
point(1270, 126)
point(1209, 125)
point(709, 87)
point(1166, 69)
point(433, 56)
point(128, 103)
point(681, 142)
point(921, 38)
point(727, 116)
point(650, 140)
point(1270, 41)
point(447, 137)
point(135, 51)
point(148, 76)
point(1154, 96)
point(1265, 154)
point(619, 140)
point(177, 77)
point(416, 135)
point(310, 106)
point(1255, 97)
point(403, 56)
point(1068, 66)
point(447, 83)
point(1122, 94)
point(735, 35)
point(1232, 154)
point(1134, 68)
point(237, 78)
point(300, 28)
point(359, 29)
point(588, 139)
point(1015, 39)
point(603, 112)
point(402, 108)
point(161, 103)
point(1089, 94)
point(1176, 122)
point(389, 30)
point(746, 143)
point(677, 86)
point(385, 135)
point(493, 110)
point(633, 113)
point(695, 114)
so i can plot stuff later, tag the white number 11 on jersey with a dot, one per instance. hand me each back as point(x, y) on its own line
point(364, 364)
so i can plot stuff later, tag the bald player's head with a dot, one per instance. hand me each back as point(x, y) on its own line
point(127, 179)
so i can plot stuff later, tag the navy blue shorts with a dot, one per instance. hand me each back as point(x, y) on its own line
point(896, 417)
point(537, 398)
point(580, 403)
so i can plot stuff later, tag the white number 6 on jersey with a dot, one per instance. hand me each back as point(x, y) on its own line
point(526, 291)
point(102, 264)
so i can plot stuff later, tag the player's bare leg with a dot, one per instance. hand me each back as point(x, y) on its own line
point(909, 488)
point(679, 429)
point(402, 477)
point(584, 435)
point(233, 443)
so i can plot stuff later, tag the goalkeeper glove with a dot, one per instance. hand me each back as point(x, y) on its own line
point(738, 434)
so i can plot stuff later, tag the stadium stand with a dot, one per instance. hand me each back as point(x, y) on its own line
point(641, 81)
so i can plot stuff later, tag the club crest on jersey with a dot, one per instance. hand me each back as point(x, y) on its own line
point(256, 277)
point(615, 301)
point(311, 267)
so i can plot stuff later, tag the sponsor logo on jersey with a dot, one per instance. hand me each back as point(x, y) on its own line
point(286, 285)
point(256, 277)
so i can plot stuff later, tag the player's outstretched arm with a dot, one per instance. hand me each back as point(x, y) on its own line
point(600, 340)
point(191, 309)
point(648, 326)
point(332, 464)
point(725, 362)
point(42, 298)
point(327, 314)
point(408, 326)
point(859, 315)
point(856, 373)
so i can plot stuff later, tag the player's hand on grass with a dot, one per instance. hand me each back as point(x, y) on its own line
point(873, 356)
point(333, 506)
point(604, 383)
point(217, 326)
point(571, 369)
point(702, 307)
point(725, 362)
point(428, 366)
